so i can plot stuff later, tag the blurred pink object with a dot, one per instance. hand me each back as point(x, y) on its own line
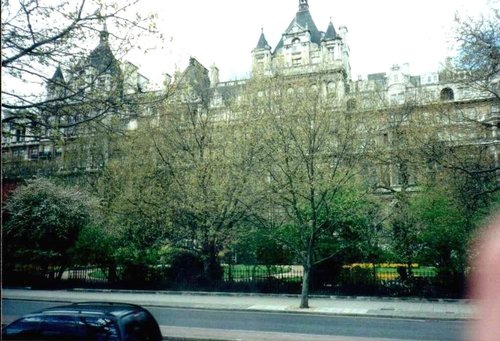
point(485, 284)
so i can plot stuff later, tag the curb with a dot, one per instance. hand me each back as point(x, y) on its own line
point(410, 299)
point(244, 294)
point(295, 311)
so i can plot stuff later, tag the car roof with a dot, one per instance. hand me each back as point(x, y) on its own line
point(93, 308)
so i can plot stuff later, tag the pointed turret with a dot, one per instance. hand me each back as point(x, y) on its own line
point(262, 55)
point(58, 77)
point(56, 86)
point(330, 33)
point(262, 44)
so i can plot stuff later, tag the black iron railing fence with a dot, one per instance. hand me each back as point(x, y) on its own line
point(350, 279)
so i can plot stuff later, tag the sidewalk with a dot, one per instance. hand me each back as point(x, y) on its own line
point(336, 305)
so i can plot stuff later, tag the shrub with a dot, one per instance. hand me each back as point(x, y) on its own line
point(186, 269)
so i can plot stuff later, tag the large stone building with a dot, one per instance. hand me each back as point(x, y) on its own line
point(467, 115)
point(97, 88)
point(302, 51)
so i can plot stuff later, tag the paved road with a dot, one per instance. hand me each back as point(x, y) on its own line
point(259, 325)
point(362, 306)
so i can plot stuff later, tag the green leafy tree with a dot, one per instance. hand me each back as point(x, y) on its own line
point(445, 235)
point(96, 246)
point(205, 168)
point(184, 178)
point(135, 220)
point(311, 147)
point(43, 223)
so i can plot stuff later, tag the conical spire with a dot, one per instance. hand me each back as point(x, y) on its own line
point(262, 44)
point(56, 85)
point(58, 76)
point(330, 32)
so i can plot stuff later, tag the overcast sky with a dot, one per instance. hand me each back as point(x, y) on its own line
point(381, 32)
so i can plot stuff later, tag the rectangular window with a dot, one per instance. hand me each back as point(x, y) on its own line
point(33, 153)
point(20, 134)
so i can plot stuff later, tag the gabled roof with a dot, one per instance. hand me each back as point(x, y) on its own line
point(196, 77)
point(304, 20)
point(330, 32)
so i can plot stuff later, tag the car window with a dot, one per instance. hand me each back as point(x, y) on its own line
point(140, 326)
point(23, 328)
point(60, 327)
point(46, 327)
point(100, 329)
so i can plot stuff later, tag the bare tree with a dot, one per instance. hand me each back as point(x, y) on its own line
point(48, 51)
point(479, 51)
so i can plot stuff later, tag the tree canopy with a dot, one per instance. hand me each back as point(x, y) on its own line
point(43, 222)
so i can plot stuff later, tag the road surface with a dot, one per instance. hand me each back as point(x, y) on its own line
point(275, 323)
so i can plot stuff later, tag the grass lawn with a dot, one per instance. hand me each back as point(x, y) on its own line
point(98, 274)
point(257, 271)
point(241, 271)
point(391, 273)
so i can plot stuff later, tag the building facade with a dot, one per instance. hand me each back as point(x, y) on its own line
point(97, 89)
point(303, 51)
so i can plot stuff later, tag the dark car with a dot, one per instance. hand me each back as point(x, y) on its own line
point(86, 321)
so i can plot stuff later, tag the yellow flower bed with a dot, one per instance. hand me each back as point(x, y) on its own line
point(378, 265)
point(387, 276)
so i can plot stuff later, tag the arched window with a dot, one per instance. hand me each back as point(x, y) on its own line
point(332, 88)
point(295, 45)
point(447, 94)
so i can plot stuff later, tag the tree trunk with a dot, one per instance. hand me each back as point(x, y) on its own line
point(211, 267)
point(304, 297)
